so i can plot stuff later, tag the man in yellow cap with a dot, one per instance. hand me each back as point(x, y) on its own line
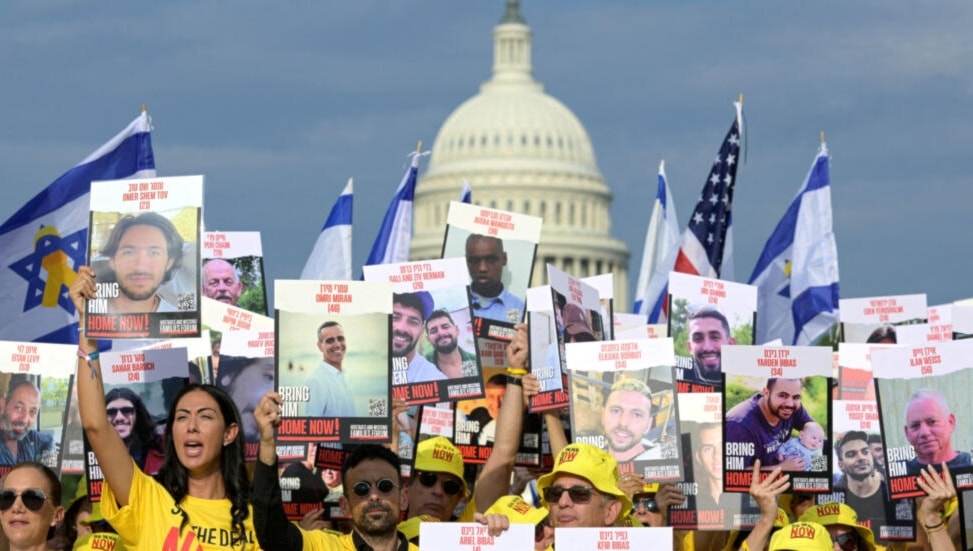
point(801, 536)
point(519, 511)
point(582, 489)
point(842, 524)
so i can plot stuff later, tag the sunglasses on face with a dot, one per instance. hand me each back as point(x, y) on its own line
point(578, 494)
point(450, 486)
point(32, 498)
point(848, 542)
point(648, 502)
point(126, 411)
point(363, 488)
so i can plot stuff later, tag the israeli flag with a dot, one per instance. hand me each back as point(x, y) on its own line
point(43, 244)
point(331, 257)
point(661, 247)
point(797, 273)
point(391, 246)
point(466, 196)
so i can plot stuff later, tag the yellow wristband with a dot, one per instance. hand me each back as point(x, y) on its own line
point(516, 371)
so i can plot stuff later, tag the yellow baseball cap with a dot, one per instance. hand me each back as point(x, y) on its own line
point(517, 510)
point(100, 540)
point(439, 455)
point(592, 463)
point(410, 527)
point(832, 512)
point(802, 536)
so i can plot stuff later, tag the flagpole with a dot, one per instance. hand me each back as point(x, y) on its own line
point(419, 148)
point(822, 136)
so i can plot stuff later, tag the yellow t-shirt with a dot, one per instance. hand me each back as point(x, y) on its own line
point(151, 520)
point(316, 540)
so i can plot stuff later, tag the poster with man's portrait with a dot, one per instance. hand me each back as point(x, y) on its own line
point(777, 404)
point(499, 249)
point(546, 351)
point(707, 506)
point(143, 244)
point(875, 319)
point(333, 362)
point(923, 400)
point(434, 352)
point(623, 401)
point(233, 270)
point(859, 478)
point(34, 390)
point(246, 372)
point(704, 316)
point(140, 386)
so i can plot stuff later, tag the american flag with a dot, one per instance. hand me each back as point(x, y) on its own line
point(706, 237)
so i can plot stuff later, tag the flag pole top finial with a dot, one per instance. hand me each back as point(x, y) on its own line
point(419, 148)
point(741, 98)
point(822, 136)
point(144, 108)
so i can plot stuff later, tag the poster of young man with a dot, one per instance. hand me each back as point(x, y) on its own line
point(546, 351)
point(434, 353)
point(499, 249)
point(333, 362)
point(874, 319)
point(777, 403)
point(704, 316)
point(923, 400)
point(233, 270)
point(143, 244)
point(139, 388)
point(475, 422)
point(860, 479)
point(707, 506)
point(623, 401)
point(246, 372)
point(34, 390)
point(855, 371)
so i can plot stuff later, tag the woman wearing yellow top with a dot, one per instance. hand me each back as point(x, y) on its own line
point(200, 498)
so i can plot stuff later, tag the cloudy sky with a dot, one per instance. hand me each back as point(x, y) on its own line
point(277, 104)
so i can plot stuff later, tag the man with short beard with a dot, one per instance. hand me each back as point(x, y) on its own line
point(761, 423)
point(446, 354)
point(865, 490)
point(17, 420)
point(408, 316)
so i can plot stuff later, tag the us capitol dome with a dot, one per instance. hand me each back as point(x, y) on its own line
point(523, 151)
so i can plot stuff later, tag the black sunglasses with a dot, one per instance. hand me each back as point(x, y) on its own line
point(848, 542)
point(578, 494)
point(32, 498)
point(363, 488)
point(450, 486)
point(125, 410)
point(648, 502)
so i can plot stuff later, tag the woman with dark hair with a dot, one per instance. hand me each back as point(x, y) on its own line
point(30, 506)
point(200, 497)
point(133, 422)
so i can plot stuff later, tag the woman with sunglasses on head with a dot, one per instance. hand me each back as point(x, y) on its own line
point(200, 497)
point(30, 506)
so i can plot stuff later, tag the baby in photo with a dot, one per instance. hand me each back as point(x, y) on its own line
point(806, 445)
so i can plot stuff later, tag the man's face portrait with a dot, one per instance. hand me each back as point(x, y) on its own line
point(855, 460)
point(878, 454)
point(929, 429)
point(626, 419)
point(706, 339)
point(485, 260)
point(220, 281)
point(494, 398)
point(784, 398)
point(20, 412)
point(709, 455)
point(121, 415)
point(141, 261)
point(406, 329)
point(443, 334)
point(331, 343)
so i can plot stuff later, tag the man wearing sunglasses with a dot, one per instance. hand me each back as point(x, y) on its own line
point(842, 524)
point(582, 490)
point(18, 417)
point(328, 391)
point(373, 496)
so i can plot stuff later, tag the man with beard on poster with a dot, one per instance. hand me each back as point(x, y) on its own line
point(447, 354)
point(18, 417)
point(408, 317)
point(757, 426)
point(708, 331)
point(865, 490)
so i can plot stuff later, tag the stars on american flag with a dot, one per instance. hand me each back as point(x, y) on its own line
point(711, 218)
